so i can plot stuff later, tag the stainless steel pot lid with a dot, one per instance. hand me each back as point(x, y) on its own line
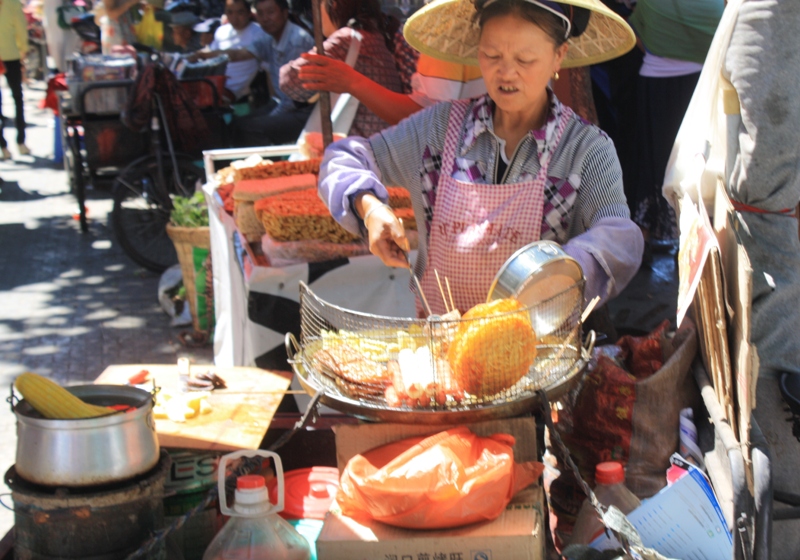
point(541, 275)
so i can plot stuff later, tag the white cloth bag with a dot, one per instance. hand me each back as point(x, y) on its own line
point(698, 158)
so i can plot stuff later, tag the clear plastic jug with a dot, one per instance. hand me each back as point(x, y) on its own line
point(610, 490)
point(255, 531)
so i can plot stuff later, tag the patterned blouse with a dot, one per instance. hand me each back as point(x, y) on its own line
point(585, 208)
point(374, 61)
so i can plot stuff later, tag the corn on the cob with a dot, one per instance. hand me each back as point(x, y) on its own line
point(53, 401)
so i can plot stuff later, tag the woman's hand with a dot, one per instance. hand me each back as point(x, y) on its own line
point(387, 237)
point(327, 74)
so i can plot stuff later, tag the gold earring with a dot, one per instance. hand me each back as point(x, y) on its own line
point(556, 76)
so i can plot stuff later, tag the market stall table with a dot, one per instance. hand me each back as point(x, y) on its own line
point(240, 414)
point(257, 304)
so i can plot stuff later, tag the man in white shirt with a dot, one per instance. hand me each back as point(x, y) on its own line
point(282, 120)
point(241, 32)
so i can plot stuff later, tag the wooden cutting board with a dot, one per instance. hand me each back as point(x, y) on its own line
point(240, 415)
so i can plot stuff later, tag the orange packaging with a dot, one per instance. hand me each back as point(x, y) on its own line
point(445, 480)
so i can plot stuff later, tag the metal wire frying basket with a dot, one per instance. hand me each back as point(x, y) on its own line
point(440, 370)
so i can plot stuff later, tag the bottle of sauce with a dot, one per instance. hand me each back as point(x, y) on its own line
point(610, 490)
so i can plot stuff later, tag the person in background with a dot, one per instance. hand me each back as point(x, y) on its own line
point(375, 61)
point(116, 24)
point(424, 79)
point(614, 96)
point(281, 120)
point(675, 35)
point(761, 63)
point(61, 43)
point(239, 34)
point(434, 81)
point(13, 47)
point(281, 41)
point(184, 38)
point(206, 29)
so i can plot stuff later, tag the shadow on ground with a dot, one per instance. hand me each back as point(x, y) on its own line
point(72, 304)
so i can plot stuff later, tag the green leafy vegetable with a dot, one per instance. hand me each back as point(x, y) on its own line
point(189, 211)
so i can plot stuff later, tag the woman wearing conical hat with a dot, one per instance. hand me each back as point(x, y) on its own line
point(491, 174)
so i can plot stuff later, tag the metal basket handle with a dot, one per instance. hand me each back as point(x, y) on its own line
point(292, 347)
point(589, 342)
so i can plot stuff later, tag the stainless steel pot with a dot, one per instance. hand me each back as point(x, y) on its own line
point(537, 273)
point(90, 451)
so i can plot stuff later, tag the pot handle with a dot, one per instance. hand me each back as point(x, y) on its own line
point(223, 499)
point(12, 399)
point(5, 505)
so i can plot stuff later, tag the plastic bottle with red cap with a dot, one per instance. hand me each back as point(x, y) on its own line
point(610, 490)
point(255, 530)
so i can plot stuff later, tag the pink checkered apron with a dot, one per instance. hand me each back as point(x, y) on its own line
point(477, 227)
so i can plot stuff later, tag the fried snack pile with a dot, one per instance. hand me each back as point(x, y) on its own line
point(493, 349)
point(300, 216)
point(354, 373)
point(392, 365)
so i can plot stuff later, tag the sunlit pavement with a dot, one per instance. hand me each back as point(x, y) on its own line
point(70, 303)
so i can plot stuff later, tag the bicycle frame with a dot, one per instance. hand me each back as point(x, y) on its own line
point(158, 120)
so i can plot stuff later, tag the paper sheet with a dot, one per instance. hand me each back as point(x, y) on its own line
point(684, 521)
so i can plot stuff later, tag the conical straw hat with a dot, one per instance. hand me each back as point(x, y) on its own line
point(443, 29)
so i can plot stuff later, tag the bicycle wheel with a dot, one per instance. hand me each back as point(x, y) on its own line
point(141, 213)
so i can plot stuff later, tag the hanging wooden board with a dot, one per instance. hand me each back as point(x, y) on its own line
point(240, 415)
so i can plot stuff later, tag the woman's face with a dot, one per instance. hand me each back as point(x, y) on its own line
point(517, 59)
point(328, 27)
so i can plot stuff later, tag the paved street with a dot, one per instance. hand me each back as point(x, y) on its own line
point(70, 303)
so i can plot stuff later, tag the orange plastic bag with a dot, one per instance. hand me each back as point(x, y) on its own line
point(449, 479)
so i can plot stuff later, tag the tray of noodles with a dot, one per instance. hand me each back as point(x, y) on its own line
point(488, 363)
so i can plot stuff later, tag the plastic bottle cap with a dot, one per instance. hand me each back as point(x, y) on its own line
point(250, 482)
point(610, 472)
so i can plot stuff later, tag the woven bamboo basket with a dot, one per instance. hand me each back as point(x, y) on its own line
point(185, 240)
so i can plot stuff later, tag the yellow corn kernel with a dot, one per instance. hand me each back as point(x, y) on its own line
point(55, 402)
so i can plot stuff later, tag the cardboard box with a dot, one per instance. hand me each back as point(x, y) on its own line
point(518, 534)
point(354, 439)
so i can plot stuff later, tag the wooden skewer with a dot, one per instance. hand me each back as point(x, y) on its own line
point(589, 308)
point(449, 293)
point(441, 291)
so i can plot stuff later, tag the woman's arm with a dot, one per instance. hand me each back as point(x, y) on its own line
point(391, 157)
point(610, 245)
point(610, 254)
point(324, 73)
point(234, 55)
point(336, 47)
point(115, 8)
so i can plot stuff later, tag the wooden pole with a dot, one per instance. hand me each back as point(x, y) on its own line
point(324, 96)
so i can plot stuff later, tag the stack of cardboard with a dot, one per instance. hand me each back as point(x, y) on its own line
point(518, 534)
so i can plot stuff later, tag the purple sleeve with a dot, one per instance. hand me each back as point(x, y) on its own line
point(349, 168)
point(610, 253)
